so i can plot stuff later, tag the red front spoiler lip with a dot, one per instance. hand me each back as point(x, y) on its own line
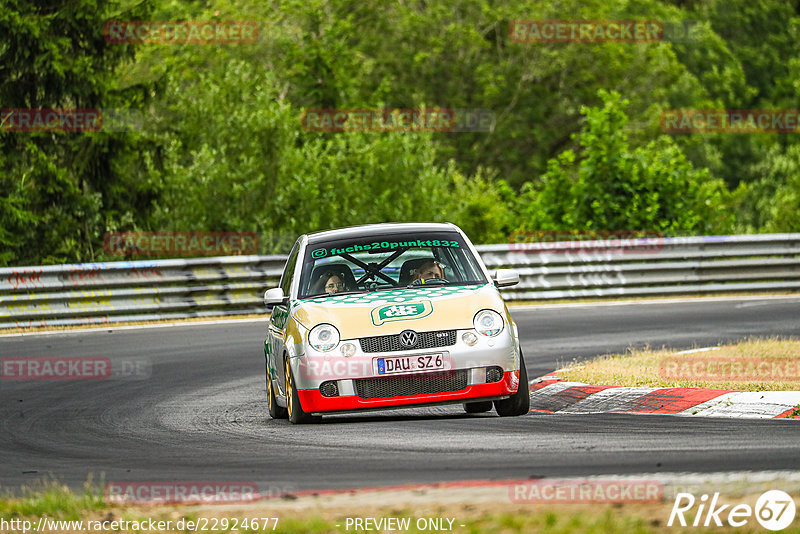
point(312, 400)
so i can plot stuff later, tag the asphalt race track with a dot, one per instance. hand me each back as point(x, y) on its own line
point(201, 414)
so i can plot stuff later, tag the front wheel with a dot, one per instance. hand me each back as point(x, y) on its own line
point(520, 402)
point(275, 411)
point(293, 406)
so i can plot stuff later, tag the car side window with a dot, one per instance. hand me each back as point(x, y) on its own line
point(288, 271)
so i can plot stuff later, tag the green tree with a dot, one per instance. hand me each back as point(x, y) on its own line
point(223, 149)
point(237, 159)
point(749, 62)
point(772, 202)
point(60, 190)
point(607, 185)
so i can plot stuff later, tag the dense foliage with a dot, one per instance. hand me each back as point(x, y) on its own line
point(576, 143)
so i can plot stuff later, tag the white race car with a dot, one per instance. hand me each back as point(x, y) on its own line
point(390, 316)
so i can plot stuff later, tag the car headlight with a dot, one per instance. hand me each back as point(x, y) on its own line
point(323, 337)
point(488, 323)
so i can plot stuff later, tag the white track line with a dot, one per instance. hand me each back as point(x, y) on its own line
point(692, 351)
point(526, 307)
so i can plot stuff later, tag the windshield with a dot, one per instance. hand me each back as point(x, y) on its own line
point(388, 262)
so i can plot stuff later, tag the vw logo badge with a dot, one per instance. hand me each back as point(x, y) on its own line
point(409, 339)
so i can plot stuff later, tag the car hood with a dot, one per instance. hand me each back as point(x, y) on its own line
point(390, 312)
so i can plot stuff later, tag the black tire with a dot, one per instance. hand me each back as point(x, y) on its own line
point(478, 407)
point(275, 411)
point(520, 402)
point(295, 410)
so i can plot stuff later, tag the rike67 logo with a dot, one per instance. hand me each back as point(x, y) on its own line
point(401, 312)
point(774, 510)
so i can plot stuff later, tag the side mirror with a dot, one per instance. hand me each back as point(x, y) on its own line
point(506, 277)
point(274, 296)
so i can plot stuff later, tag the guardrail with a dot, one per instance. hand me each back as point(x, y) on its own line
point(93, 293)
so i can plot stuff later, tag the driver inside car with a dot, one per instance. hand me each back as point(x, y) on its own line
point(427, 271)
point(330, 283)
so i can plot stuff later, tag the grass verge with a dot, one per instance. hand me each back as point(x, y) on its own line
point(467, 510)
point(52, 499)
point(751, 365)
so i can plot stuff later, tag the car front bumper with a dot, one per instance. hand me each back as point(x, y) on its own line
point(314, 402)
point(359, 385)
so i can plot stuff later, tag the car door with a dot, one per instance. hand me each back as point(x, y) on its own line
point(278, 320)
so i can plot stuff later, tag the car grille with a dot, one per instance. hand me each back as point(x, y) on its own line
point(427, 340)
point(419, 384)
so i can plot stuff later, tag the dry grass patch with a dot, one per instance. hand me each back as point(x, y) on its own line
point(751, 365)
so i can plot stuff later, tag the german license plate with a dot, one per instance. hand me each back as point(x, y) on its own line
point(410, 364)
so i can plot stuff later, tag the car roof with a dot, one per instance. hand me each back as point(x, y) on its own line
point(374, 230)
